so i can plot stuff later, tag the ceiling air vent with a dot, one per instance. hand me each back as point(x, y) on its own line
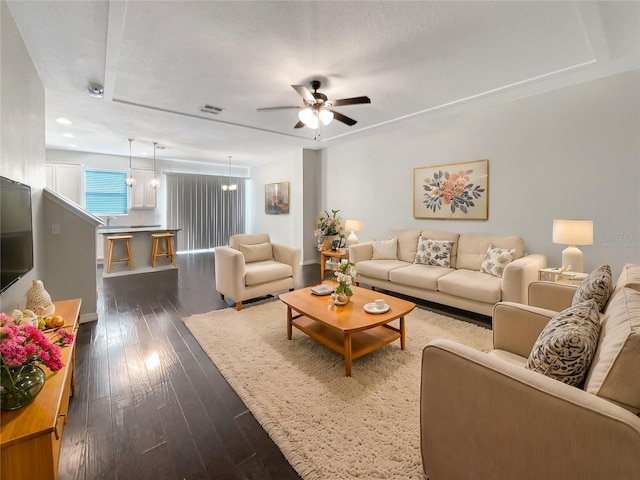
point(210, 109)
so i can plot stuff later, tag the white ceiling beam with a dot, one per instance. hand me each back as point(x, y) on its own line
point(115, 27)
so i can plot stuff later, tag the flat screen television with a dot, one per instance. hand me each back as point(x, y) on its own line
point(16, 233)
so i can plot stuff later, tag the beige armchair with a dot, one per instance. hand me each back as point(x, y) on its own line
point(251, 266)
point(483, 415)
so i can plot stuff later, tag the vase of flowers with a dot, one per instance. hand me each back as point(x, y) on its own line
point(346, 276)
point(328, 228)
point(22, 347)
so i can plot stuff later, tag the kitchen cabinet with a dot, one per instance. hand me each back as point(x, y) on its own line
point(142, 195)
point(66, 180)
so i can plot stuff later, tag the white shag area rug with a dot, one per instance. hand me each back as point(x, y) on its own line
point(327, 425)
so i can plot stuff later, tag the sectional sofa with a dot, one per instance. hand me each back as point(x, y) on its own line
point(449, 268)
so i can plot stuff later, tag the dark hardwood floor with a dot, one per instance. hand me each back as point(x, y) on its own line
point(148, 402)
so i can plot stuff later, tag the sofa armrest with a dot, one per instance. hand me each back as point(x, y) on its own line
point(290, 256)
point(519, 274)
point(230, 272)
point(360, 252)
point(554, 296)
point(516, 327)
point(481, 417)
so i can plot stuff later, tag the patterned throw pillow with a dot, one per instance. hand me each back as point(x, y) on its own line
point(434, 252)
point(598, 285)
point(565, 347)
point(496, 259)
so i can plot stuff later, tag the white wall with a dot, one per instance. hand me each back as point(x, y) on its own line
point(285, 228)
point(21, 140)
point(570, 153)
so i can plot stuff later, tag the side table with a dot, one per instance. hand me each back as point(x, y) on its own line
point(556, 275)
point(31, 437)
point(325, 254)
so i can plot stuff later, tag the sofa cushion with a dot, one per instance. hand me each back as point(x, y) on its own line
point(434, 252)
point(598, 285)
point(473, 285)
point(385, 249)
point(565, 347)
point(630, 274)
point(408, 245)
point(441, 235)
point(615, 370)
point(257, 273)
point(496, 259)
point(379, 268)
point(419, 276)
point(472, 248)
point(257, 252)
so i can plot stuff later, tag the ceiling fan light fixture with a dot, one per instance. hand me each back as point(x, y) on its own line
point(326, 116)
point(306, 115)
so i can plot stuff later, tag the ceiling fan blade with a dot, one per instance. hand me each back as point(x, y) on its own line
point(276, 108)
point(350, 101)
point(304, 93)
point(299, 124)
point(343, 118)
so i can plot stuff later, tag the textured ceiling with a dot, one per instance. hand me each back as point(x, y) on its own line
point(161, 61)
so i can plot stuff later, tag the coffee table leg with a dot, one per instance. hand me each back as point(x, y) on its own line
point(402, 336)
point(289, 326)
point(347, 354)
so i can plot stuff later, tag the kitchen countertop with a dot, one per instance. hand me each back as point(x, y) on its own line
point(104, 230)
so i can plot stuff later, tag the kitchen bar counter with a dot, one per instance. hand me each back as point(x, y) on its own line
point(141, 244)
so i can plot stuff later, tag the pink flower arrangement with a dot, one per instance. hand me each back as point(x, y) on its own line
point(21, 344)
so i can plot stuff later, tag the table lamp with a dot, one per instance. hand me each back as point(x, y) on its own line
point(572, 233)
point(352, 226)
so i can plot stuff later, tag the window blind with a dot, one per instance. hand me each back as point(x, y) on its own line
point(105, 192)
point(206, 215)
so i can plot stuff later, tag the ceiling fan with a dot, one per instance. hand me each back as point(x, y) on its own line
point(317, 107)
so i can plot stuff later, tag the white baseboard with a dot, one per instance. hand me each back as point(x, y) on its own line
point(88, 317)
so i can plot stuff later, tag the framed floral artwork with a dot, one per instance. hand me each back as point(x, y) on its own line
point(276, 198)
point(454, 191)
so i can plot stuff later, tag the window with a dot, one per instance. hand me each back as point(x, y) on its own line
point(105, 192)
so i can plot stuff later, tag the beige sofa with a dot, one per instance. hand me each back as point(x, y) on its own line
point(483, 415)
point(462, 285)
point(251, 267)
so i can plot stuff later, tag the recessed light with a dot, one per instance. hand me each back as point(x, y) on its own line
point(68, 135)
point(63, 121)
point(73, 145)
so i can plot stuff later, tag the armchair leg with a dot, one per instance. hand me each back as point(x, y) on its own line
point(291, 289)
point(222, 296)
point(238, 306)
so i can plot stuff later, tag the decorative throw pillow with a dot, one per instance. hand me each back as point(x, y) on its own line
point(258, 252)
point(598, 285)
point(496, 259)
point(565, 347)
point(434, 252)
point(385, 249)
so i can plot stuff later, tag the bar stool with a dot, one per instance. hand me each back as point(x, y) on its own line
point(169, 250)
point(128, 258)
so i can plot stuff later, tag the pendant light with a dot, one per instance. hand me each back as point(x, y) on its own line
point(155, 181)
point(130, 181)
point(229, 186)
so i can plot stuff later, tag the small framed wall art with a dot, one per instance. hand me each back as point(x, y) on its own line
point(276, 198)
point(454, 191)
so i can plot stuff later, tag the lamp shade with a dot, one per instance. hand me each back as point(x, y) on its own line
point(353, 225)
point(573, 232)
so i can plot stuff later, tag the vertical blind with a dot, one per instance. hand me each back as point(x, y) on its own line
point(105, 192)
point(206, 215)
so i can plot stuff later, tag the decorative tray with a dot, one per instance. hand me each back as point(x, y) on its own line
point(371, 308)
